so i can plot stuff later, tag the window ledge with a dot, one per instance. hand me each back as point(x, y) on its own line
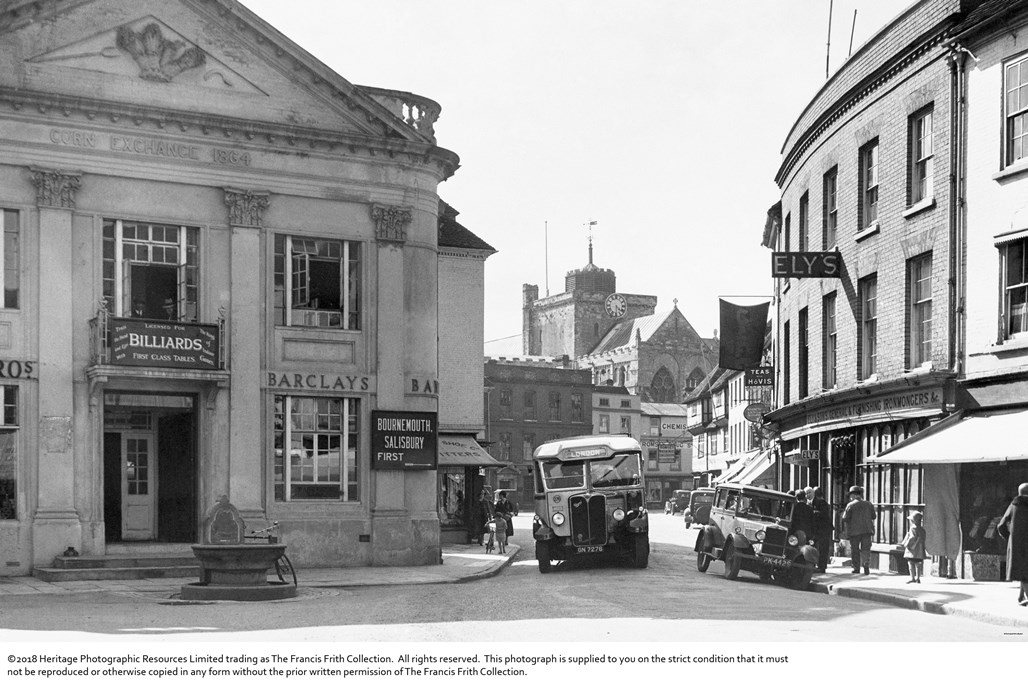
point(1019, 167)
point(867, 232)
point(1017, 343)
point(873, 378)
point(917, 208)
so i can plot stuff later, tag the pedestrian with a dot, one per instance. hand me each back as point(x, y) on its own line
point(1014, 528)
point(823, 527)
point(913, 548)
point(481, 514)
point(858, 521)
point(505, 509)
point(802, 518)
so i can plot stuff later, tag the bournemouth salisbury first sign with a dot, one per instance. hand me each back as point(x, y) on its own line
point(404, 440)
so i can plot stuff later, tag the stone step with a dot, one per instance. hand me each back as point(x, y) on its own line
point(58, 575)
point(127, 560)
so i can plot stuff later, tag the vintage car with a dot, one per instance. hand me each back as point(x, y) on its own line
point(590, 501)
point(749, 530)
point(697, 510)
point(677, 502)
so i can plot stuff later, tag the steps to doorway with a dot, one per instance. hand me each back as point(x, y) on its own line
point(147, 561)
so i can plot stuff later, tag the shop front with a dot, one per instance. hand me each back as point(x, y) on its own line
point(829, 441)
point(461, 477)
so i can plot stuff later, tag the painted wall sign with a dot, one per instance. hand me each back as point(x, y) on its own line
point(673, 427)
point(913, 400)
point(422, 386)
point(318, 381)
point(138, 342)
point(806, 265)
point(760, 377)
point(17, 369)
point(404, 440)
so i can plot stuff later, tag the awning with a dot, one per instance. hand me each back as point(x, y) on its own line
point(462, 450)
point(963, 438)
point(748, 469)
point(756, 471)
point(736, 468)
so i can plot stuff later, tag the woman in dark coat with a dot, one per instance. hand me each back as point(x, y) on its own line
point(823, 528)
point(481, 514)
point(1014, 527)
point(505, 509)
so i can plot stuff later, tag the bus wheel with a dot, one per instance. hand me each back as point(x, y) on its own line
point(641, 558)
point(542, 555)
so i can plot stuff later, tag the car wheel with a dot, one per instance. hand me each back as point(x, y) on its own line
point(542, 555)
point(733, 563)
point(765, 575)
point(641, 556)
point(702, 561)
point(801, 579)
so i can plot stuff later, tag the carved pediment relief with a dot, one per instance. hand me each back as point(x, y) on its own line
point(148, 49)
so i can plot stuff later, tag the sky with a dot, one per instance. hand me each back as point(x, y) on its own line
point(661, 120)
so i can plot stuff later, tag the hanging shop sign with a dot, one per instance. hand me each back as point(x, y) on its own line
point(802, 457)
point(137, 342)
point(806, 265)
point(759, 377)
point(404, 440)
point(755, 412)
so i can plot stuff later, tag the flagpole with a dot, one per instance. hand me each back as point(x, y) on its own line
point(546, 250)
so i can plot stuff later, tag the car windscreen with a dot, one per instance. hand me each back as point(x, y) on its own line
point(620, 470)
point(560, 475)
point(701, 498)
point(760, 506)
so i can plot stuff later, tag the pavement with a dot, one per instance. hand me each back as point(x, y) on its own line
point(986, 601)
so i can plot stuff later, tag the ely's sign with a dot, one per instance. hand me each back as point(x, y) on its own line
point(140, 342)
point(404, 440)
point(806, 265)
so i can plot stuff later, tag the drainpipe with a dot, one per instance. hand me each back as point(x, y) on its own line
point(958, 100)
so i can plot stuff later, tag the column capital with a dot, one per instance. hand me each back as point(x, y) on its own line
point(55, 188)
point(391, 222)
point(246, 207)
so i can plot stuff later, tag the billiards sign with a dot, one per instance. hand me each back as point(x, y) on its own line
point(806, 265)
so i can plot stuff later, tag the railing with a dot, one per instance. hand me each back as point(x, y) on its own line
point(416, 111)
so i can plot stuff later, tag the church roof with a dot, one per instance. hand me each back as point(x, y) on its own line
point(643, 328)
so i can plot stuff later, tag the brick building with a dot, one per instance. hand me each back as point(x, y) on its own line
point(530, 400)
point(867, 359)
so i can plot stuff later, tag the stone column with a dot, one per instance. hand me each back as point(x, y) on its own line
point(245, 338)
point(390, 519)
point(56, 525)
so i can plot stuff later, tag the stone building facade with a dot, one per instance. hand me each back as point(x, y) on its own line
point(221, 261)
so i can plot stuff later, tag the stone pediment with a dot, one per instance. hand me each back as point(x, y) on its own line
point(203, 57)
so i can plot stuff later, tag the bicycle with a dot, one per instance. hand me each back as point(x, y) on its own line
point(283, 567)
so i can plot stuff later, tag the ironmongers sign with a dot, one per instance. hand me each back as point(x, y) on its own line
point(138, 342)
point(404, 440)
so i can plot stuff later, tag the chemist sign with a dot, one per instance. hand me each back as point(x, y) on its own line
point(404, 440)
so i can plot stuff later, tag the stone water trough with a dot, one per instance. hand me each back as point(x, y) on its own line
point(231, 568)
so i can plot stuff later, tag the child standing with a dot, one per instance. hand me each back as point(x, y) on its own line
point(913, 548)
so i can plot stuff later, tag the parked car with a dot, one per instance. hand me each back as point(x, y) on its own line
point(697, 510)
point(749, 530)
point(677, 502)
point(511, 497)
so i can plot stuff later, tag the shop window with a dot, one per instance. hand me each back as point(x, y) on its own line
point(576, 408)
point(322, 435)
point(921, 155)
point(452, 488)
point(10, 249)
point(317, 282)
point(529, 405)
point(919, 312)
point(150, 271)
point(554, 406)
point(1015, 109)
point(830, 209)
point(868, 206)
point(9, 453)
point(1014, 278)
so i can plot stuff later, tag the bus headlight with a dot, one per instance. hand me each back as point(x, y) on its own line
point(793, 540)
point(618, 514)
point(558, 518)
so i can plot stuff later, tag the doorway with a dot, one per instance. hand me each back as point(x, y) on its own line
point(150, 468)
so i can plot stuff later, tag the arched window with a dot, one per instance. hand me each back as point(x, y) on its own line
point(694, 379)
point(662, 387)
